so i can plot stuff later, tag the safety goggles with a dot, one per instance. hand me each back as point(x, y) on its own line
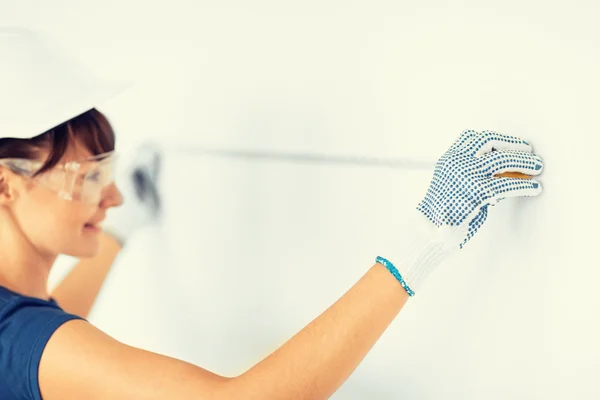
point(82, 181)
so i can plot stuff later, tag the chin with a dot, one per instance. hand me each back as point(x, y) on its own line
point(86, 248)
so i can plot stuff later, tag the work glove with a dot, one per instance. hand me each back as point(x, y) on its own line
point(457, 202)
point(138, 183)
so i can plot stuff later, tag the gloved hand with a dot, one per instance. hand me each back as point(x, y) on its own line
point(457, 202)
point(141, 199)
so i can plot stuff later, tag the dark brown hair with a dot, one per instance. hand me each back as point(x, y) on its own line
point(91, 129)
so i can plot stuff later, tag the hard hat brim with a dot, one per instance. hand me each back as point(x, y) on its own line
point(65, 110)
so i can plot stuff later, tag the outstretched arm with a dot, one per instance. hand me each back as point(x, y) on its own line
point(81, 362)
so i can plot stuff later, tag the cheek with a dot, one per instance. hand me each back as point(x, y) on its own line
point(47, 217)
point(69, 216)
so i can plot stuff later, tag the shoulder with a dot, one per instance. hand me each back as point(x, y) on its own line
point(53, 355)
point(26, 325)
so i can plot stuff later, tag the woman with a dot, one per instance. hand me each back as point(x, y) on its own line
point(55, 189)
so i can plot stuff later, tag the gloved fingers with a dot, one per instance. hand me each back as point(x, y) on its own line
point(149, 156)
point(464, 137)
point(488, 141)
point(146, 166)
point(501, 161)
point(500, 188)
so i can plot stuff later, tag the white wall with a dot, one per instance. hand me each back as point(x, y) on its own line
point(250, 251)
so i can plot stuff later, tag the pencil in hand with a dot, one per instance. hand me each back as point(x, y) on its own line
point(512, 175)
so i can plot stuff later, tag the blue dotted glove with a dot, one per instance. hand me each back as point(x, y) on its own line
point(138, 183)
point(457, 202)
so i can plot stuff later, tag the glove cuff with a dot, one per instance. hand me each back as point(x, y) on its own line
point(412, 261)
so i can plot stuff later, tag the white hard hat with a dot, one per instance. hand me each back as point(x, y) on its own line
point(41, 87)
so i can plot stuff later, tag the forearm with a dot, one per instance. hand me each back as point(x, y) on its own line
point(77, 293)
point(315, 362)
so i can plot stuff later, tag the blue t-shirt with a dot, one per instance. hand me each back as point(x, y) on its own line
point(26, 325)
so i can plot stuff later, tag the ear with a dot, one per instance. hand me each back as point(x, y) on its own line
point(8, 194)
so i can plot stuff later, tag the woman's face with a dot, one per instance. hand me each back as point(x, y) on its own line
point(59, 226)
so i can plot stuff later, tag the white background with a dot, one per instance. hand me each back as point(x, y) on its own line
point(249, 252)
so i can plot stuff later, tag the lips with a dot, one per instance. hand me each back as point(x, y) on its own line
point(94, 224)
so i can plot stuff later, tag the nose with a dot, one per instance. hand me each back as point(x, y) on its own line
point(111, 197)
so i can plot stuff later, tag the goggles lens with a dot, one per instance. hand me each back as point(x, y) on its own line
point(82, 181)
